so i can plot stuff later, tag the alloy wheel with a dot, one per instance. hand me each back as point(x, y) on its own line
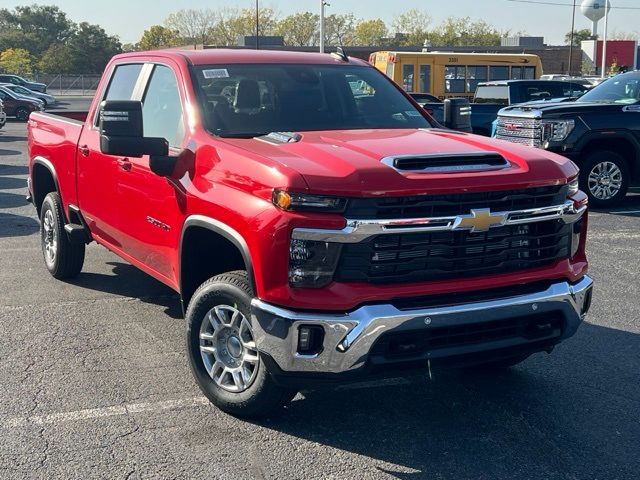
point(605, 180)
point(50, 236)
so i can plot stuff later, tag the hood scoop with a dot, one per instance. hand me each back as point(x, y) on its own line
point(447, 163)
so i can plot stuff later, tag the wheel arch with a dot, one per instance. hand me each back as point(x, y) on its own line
point(209, 247)
point(44, 180)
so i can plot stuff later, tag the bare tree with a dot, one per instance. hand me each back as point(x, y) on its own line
point(193, 25)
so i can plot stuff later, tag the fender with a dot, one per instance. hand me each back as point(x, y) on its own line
point(38, 160)
point(609, 135)
point(223, 230)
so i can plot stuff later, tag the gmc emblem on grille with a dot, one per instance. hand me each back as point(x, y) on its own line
point(512, 127)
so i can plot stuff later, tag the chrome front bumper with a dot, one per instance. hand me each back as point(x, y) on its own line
point(349, 337)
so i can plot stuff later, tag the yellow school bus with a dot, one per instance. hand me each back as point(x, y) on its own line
point(447, 74)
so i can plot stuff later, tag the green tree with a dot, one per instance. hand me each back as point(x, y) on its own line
point(39, 25)
point(370, 32)
point(462, 31)
point(234, 23)
point(91, 48)
point(578, 36)
point(412, 27)
point(17, 61)
point(299, 29)
point(57, 59)
point(159, 37)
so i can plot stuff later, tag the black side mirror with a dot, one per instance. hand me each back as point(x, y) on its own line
point(121, 131)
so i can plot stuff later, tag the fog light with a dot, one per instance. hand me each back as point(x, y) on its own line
point(310, 339)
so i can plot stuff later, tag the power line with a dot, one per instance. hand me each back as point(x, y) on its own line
point(558, 4)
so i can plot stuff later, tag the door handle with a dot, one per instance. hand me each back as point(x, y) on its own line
point(124, 164)
point(84, 150)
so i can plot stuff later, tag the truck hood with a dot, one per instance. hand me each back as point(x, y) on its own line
point(546, 109)
point(350, 162)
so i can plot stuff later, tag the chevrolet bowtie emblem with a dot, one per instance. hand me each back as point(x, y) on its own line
point(480, 220)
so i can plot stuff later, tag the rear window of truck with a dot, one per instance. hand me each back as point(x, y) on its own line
point(248, 100)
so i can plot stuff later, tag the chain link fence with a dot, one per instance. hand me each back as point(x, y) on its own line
point(80, 85)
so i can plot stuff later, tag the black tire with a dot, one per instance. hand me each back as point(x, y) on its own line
point(68, 258)
point(22, 114)
point(262, 395)
point(600, 159)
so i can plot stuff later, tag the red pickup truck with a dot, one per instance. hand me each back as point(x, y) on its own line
point(318, 225)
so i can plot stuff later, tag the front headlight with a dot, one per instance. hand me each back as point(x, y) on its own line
point(311, 263)
point(574, 187)
point(308, 202)
point(556, 130)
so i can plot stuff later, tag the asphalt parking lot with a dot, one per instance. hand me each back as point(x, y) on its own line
point(95, 383)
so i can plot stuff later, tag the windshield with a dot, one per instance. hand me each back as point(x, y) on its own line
point(623, 89)
point(251, 100)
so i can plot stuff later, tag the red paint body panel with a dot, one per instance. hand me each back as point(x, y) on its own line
point(232, 180)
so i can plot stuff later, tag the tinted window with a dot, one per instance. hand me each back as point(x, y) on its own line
point(454, 79)
point(123, 82)
point(407, 77)
point(425, 78)
point(162, 108)
point(624, 89)
point(475, 75)
point(498, 73)
point(247, 100)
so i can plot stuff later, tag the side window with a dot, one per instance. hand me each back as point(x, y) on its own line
point(455, 78)
point(498, 73)
point(162, 108)
point(123, 82)
point(407, 77)
point(476, 74)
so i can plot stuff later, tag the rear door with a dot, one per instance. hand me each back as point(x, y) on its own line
point(151, 206)
point(97, 172)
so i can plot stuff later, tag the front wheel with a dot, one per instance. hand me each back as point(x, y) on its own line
point(222, 349)
point(604, 176)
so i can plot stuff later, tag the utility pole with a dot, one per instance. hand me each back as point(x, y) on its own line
point(257, 26)
point(323, 3)
point(607, 6)
point(573, 26)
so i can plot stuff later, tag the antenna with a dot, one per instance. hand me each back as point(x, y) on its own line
point(340, 54)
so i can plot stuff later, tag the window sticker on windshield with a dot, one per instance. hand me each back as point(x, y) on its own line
point(412, 113)
point(216, 73)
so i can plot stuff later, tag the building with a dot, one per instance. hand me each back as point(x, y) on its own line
point(622, 53)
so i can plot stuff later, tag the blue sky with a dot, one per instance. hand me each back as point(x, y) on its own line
point(129, 18)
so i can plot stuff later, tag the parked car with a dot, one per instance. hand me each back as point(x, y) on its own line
point(600, 132)
point(44, 97)
point(17, 80)
point(19, 106)
point(3, 115)
point(316, 233)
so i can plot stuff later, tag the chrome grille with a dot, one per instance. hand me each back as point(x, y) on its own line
point(524, 131)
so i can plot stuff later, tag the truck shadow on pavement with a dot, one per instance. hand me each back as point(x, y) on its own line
point(572, 414)
point(129, 281)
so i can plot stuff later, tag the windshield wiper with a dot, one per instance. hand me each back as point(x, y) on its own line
point(241, 134)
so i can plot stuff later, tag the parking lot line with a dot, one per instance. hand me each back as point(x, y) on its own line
point(91, 413)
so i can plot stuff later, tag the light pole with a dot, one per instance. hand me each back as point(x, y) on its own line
point(573, 26)
point(607, 6)
point(257, 26)
point(323, 3)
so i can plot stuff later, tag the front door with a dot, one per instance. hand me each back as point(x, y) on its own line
point(151, 206)
point(97, 188)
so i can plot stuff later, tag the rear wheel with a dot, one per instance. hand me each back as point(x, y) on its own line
point(604, 176)
point(222, 349)
point(63, 258)
point(22, 114)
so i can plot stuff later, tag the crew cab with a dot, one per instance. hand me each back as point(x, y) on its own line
point(317, 232)
point(600, 132)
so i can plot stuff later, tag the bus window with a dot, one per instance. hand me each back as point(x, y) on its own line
point(498, 73)
point(425, 78)
point(407, 77)
point(523, 73)
point(389, 71)
point(475, 75)
point(454, 79)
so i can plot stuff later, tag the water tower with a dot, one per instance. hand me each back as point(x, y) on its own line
point(594, 10)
